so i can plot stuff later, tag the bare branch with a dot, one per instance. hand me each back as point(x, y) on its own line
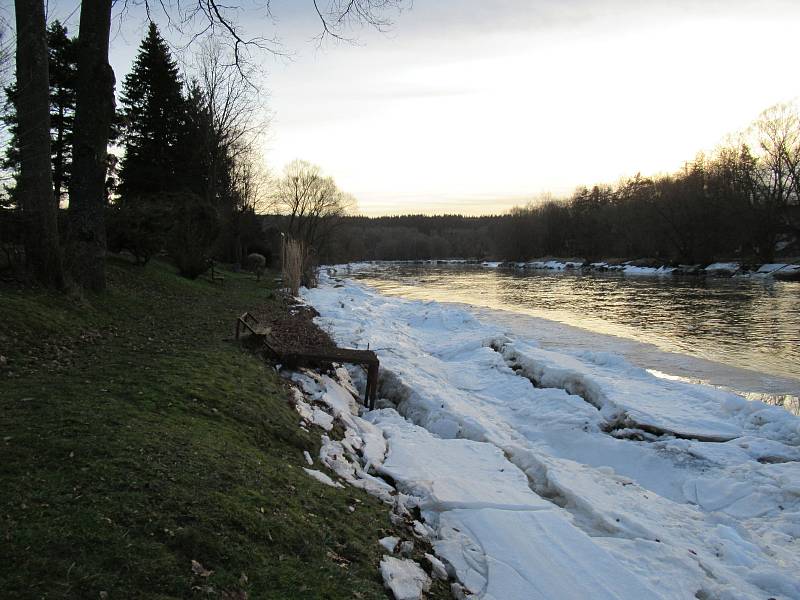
point(341, 14)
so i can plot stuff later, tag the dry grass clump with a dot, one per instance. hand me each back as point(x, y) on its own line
point(293, 264)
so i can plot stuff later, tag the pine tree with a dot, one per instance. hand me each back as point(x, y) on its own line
point(10, 159)
point(195, 144)
point(62, 56)
point(154, 114)
point(63, 80)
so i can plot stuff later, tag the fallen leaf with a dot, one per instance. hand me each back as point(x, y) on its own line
point(200, 570)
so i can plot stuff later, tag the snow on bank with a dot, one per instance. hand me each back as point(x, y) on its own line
point(657, 271)
point(601, 477)
point(785, 271)
point(351, 458)
point(727, 268)
point(780, 271)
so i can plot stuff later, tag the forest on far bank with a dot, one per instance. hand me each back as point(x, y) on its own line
point(742, 202)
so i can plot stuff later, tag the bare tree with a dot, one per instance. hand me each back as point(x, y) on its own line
point(247, 196)
point(776, 137)
point(234, 107)
point(229, 120)
point(312, 204)
point(35, 189)
point(251, 181)
point(6, 54)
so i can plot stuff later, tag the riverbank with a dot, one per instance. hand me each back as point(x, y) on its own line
point(601, 478)
point(786, 271)
point(146, 454)
point(779, 270)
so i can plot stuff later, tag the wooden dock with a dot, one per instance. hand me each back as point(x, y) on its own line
point(312, 358)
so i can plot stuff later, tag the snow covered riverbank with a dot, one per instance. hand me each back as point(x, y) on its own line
point(574, 474)
point(787, 271)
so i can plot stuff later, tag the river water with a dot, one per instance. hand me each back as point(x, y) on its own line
point(739, 333)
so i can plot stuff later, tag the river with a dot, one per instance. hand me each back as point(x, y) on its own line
point(738, 333)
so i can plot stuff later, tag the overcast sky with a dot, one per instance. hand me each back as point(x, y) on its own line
point(473, 106)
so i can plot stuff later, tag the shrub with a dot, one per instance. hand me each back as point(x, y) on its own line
point(195, 227)
point(256, 263)
point(12, 242)
point(139, 226)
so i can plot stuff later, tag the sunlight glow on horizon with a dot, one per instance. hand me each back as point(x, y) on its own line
point(412, 130)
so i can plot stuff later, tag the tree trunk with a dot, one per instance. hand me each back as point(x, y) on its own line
point(40, 212)
point(94, 111)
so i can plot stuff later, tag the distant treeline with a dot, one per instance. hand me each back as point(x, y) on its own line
point(411, 237)
point(741, 202)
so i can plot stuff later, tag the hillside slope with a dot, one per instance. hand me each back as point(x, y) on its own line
point(136, 437)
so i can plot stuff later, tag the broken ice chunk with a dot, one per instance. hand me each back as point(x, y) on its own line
point(389, 542)
point(322, 478)
point(404, 578)
point(322, 419)
point(438, 569)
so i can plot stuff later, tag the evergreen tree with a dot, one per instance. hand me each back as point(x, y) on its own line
point(62, 55)
point(10, 159)
point(63, 79)
point(195, 146)
point(154, 118)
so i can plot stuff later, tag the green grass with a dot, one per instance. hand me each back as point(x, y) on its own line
point(136, 436)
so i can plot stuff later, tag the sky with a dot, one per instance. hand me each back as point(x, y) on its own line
point(473, 106)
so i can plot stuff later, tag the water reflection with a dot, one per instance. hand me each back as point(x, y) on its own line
point(751, 324)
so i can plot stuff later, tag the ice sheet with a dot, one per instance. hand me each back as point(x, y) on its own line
point(506, 555)
point(674, 488)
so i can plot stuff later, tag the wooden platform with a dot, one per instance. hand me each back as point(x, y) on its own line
point(294, 359)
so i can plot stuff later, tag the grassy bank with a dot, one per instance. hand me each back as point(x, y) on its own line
point(136, 437)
